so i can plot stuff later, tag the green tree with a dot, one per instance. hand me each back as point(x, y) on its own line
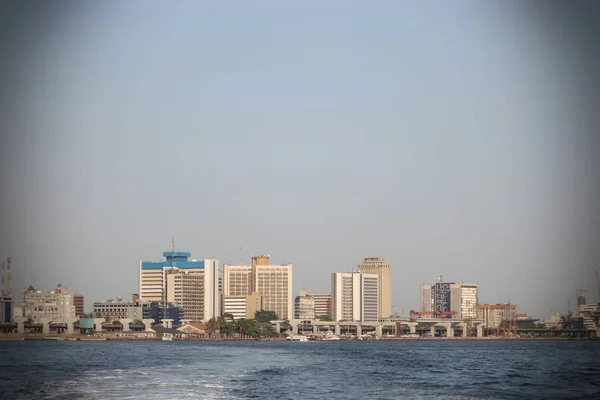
point(285, 326)
point(265, 316)
point(212, 326)
point(249, 327)
point(324, 318)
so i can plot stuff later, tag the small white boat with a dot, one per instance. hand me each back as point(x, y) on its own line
point(297, 338)
point(331, 338)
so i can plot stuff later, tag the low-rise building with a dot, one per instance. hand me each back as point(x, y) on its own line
point(242, 306)
point(304, 306)
point(117, 309)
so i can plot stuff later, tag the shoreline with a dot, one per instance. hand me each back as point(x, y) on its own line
point(398, 339)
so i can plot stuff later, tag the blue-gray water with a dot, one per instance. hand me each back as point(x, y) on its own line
point(293, 370)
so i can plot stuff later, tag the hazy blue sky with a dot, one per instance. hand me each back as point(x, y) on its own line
point(434, 135)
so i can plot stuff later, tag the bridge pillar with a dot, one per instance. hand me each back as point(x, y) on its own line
point(20, 325)
point(379, 330)
point(167, 323)
point(337, 329)
point(294, 328)
point(413, 327)
point(147, 323)
point(70, 327)
point(433, 331)
point(98, 324)
point(358, 330)
point(45, 326)
point(479, 331)
point(449, 331)
point(277, 326)
point(315, 329)
point(125, 322)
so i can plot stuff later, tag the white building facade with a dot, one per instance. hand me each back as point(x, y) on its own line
point(355, 297)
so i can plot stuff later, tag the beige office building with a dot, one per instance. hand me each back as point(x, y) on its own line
point(237, 280)
point(381, 267)
point(272, 282)
point(322, 304)
point(355, 297)
point(186, 290)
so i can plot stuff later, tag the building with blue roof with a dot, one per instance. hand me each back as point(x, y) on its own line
point(197, 287)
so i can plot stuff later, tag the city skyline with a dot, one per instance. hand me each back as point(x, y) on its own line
point(177, 252)
point(321, 134)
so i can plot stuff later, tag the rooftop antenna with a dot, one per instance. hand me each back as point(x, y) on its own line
point(440, 278)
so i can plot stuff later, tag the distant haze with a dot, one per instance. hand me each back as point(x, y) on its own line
point(443, 138)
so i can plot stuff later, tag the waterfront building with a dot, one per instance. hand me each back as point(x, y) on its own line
point(184, 276)
point(355, 296)
point(157, 312)
point(304, 306)
point(7, 311)
point(237, 280)
point(242, 306)
point(312, 305)
point(118, 309)
point(469, 301)
point(427, 300)
point(272, 282)
point(56, 305)
point(381, 267)
point(322, 304)
point(6, 302)
point(449, 299)
point(493, 315)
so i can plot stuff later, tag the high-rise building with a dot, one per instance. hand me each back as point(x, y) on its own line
point(237, 280)
point(449, 299)
point(154, 277)
point(355, 296)
point(469, 301)
point(381, 267)
point(427, 300)
point(187, 291)
point(274, 283)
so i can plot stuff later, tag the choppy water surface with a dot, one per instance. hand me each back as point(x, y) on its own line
point(292, 370)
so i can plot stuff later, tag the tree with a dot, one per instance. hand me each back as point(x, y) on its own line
point(249, 327)
point(265, 316)
point(212, 326)
point(324, 318)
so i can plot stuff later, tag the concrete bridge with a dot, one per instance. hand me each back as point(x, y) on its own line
point(393, 327)
point(68, 326)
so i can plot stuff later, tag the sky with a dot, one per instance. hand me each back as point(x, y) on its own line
point(440, 137)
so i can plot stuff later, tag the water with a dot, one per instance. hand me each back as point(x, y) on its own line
point(294, 370)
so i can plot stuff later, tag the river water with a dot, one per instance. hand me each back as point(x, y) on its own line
point(300, 370)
